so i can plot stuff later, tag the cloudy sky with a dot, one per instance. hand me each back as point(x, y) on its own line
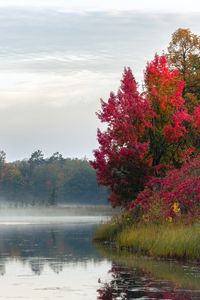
point(59, 57)
point(95, 5)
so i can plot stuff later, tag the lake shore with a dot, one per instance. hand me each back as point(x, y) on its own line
point(170, 241)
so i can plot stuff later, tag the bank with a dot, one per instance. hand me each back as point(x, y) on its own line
point(168, 240)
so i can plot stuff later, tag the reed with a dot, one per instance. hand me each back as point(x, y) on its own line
point(165, 240)
point(107, 232)
point(170, 241)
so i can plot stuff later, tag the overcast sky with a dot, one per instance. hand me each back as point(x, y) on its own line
point(58, 58)
point(153, 5)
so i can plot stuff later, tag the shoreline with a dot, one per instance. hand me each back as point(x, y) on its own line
point(166, 241)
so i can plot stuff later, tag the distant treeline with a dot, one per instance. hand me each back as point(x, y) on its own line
point(48, 181)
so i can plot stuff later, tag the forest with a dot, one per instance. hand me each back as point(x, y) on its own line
point(48, 181)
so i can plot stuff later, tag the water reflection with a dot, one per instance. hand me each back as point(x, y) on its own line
point(144, 278)
point(50, 261)
point(52, 245)
point(59, 261)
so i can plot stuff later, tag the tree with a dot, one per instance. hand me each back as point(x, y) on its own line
point(2, 157)
point(2, 162)
point(56, 157)
point(168, 135)
point(52, 197)
point(36, 158)
point(143, 131)
point(12, 181)
point(121, 162)
point(184, 55)
point(48, 181)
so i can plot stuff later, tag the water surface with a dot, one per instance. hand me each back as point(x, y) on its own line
point(52, 257)
point(147, 278)
point(41, 258)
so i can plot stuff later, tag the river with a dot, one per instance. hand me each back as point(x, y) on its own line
point(50, 258)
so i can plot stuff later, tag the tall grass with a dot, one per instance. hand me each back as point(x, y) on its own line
point(106, 232)
point(109, 231)
point(166, 240)
point(170, 241)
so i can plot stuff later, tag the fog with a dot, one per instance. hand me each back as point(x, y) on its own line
point(71, 214)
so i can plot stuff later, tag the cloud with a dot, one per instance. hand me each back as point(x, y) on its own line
point(54, 90)
point(55, 66)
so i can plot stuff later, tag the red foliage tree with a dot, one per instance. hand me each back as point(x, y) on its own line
point(121, 162)
point(168, 134)
point(175, 195)
point(195, 130)
point(144, 131)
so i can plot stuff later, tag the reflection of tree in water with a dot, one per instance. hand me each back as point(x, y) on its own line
point(37, 265)
point(2, 267)
point(57, 267)
point(43, 245)
point(127, 284)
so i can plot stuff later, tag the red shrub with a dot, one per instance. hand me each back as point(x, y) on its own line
point(176, 195)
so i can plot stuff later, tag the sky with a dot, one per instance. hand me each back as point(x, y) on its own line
point(58, 58)
point(96, 5)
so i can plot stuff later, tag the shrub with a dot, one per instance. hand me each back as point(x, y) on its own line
point(174, 197)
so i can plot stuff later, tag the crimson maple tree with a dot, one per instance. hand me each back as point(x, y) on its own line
point(121, 162)
point(168, 135)
point(144, 131)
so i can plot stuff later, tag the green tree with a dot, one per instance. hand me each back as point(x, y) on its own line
point(2, 162)
point(56, 157)
point(36, 158)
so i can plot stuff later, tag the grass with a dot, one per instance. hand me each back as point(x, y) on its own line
point(166, 240)
point(108, 231)
point(170, 241)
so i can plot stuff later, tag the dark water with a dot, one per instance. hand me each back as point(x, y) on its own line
point(52, 258)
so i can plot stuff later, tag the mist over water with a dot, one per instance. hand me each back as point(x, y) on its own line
point(58, 214)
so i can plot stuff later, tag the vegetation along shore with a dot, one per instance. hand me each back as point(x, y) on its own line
point(149, 155)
